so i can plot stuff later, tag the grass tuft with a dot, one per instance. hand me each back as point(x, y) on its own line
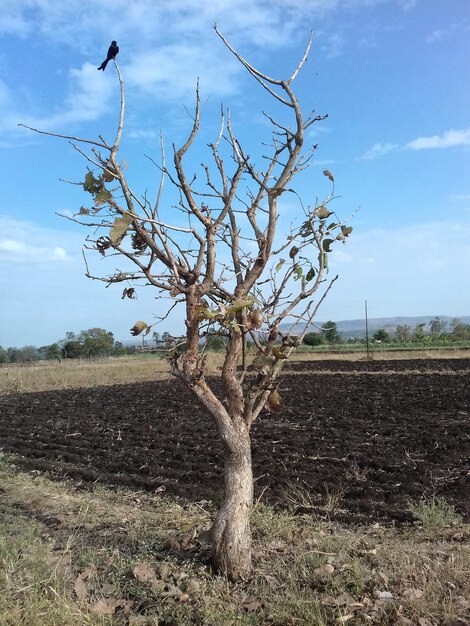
point(434, 513)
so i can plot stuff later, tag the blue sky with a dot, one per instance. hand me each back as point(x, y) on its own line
point(393, 76)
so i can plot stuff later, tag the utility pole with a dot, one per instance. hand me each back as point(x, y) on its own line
point(367, 332)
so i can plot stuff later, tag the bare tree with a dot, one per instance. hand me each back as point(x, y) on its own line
point(230, 269)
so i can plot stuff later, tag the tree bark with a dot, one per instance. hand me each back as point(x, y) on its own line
point(231, 533)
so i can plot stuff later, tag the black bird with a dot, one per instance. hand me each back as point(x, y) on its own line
point(112, 52)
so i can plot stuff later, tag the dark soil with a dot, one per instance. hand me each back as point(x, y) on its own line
point(360, 439)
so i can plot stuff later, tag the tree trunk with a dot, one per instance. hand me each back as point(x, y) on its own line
point(231, 533)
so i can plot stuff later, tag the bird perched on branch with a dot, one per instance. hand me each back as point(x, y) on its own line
point(112, 52)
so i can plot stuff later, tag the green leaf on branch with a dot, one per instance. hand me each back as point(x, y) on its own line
point(238, 305)
point(326, 244)
point(204, 313)
point(279, 265)
point(138, 328)
point(297, 273)
point(346, 230)
point(103, 196)
point(96, 187)
point(310, 274)
point(322, 212)
point(119, 227)
point(92, 184)
point(108, 176)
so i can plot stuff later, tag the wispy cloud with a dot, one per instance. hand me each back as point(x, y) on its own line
point(408, 4)
point(14, 20)
point(20, 252)
point(369, 265)
point(165, 47)
point(441, 34)
point(145, 20)
point(448, 139)
point(171, 72)
point(264, 22)
point(143, 133)
point(378, 150)
point(26, 243)
point(88, 98)
point(45, 292)
point(319, 129)
point(436, 35)
point(333, 46)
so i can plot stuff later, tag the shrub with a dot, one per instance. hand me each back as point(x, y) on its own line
point(434, 513)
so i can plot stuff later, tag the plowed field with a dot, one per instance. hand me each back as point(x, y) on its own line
point(360, 440)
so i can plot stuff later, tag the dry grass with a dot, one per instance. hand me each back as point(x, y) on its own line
point(384, 355)
point(48, 375)
point(68, 557)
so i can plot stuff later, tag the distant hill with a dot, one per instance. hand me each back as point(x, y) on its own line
point(357, 328)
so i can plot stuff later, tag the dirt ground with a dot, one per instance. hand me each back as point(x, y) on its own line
point(356, 440)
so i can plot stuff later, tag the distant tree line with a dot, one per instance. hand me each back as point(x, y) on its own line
point(97, 342)
point(93, 342)
point(437, 331)
point(327, 334)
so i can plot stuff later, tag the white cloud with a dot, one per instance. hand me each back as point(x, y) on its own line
point(171, 72)
point(144, 21)
point(378, 150)
point(408, 4)
point(45, 292)
point(436, 35)
point(20, 252)
point(88, 98)
point(449, 139)
point(187, 48)
point(27, 243)
point(143, 133)
point(410, 252)
point(264, 22)
point(165, 46)
point(408, 262)
point(14, 20)
point(456, 27)
point(334, 45)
